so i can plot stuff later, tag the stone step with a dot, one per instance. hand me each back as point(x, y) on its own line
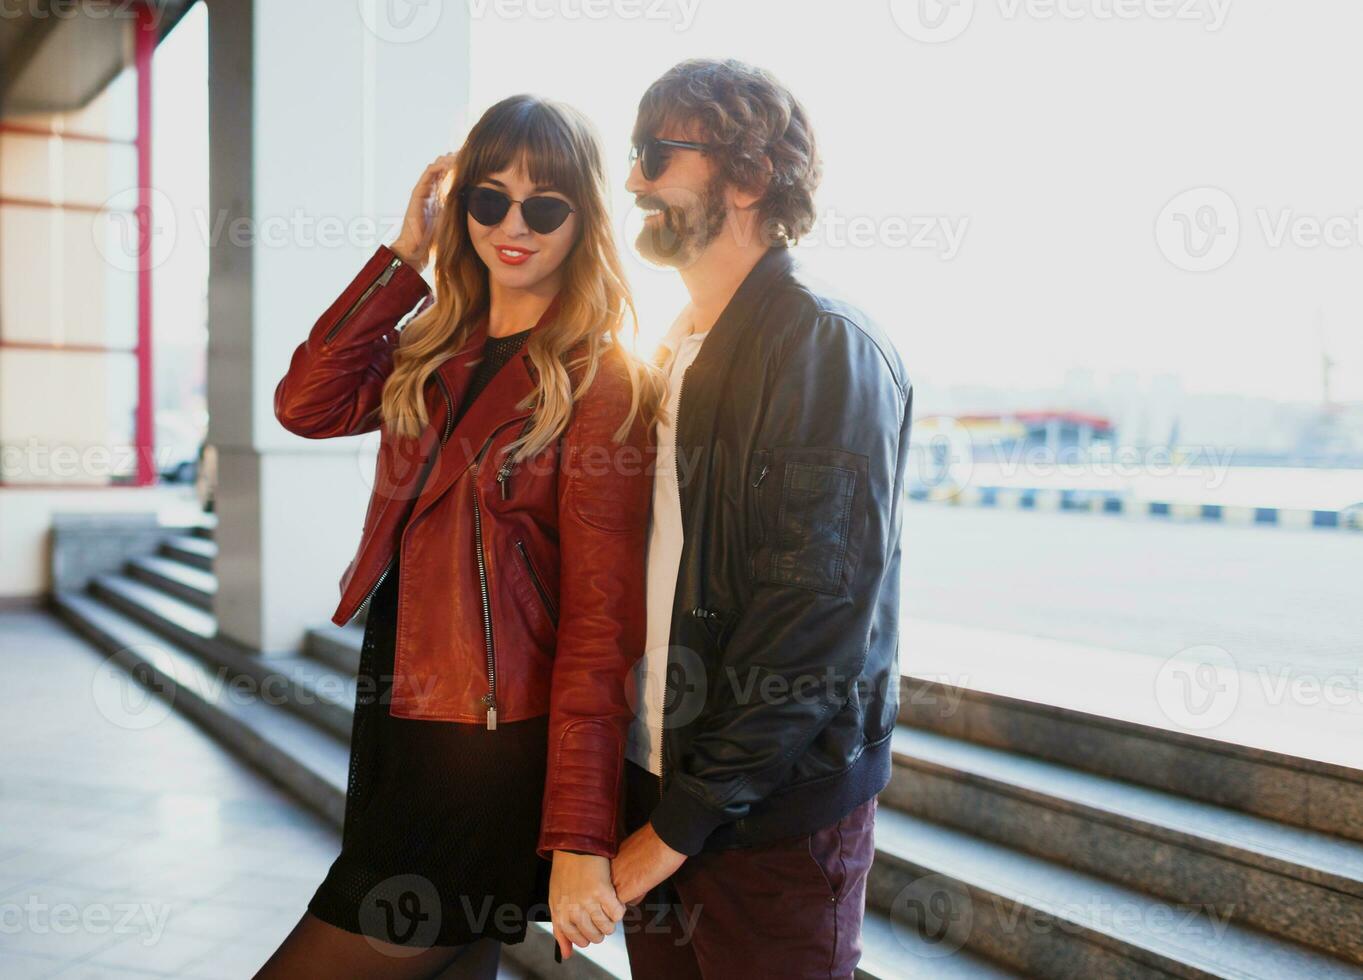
point(191, 549)
point(308, 762)
point(1072, 923)
point(1315, 795)
point(1262, 873)
point(893, 947)
point(889, 950)
point(305, 678)
point(313, 691)
point(1155, 841)
point(600, 961)
point(1044, 919)
point(337, 646)
point(187, 582)
point(311, 764)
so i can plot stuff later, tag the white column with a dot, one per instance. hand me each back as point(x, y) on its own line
point(323, 114)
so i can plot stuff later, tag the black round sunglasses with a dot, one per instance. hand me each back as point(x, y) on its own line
point(489, 206)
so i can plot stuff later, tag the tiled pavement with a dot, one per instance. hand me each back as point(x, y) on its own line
point(132, 844)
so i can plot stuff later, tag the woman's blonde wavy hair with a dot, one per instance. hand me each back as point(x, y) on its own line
point(558, 148)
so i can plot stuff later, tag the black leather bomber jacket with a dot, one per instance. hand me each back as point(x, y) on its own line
point(783, 673)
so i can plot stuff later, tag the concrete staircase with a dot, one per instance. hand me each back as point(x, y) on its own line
point(1065, 844)
point(1015, 839)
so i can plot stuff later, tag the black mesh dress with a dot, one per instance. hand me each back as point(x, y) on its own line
point(442, 818)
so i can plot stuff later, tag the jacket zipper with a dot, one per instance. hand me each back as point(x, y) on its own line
point(449, 424)
point(504, 471)
point(375, 587)
point(676, 470)
point(550, 606)
point(490, 698)
point(381, 280)
point(756, 484)
point(449, 407)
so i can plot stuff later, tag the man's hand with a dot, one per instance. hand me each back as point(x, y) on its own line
point(642, 862)
point(582, 902)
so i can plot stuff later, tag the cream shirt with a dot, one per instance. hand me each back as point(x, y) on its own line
point(644, 745)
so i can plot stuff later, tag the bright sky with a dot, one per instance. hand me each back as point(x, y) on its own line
point(1057, 140)
point(1010, 180)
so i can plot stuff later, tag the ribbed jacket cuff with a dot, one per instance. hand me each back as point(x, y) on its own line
point(682, 821)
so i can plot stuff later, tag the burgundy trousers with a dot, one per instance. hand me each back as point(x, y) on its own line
point(791, 909)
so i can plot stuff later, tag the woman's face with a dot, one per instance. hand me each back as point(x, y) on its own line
point(516, 256)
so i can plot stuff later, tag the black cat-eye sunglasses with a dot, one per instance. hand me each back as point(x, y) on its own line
point(488, 206)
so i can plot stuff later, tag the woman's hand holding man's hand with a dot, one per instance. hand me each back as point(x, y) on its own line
point(582, 900)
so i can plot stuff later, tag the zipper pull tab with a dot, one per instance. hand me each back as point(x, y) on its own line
point(504, 471)
point(761, 476)
point(491, 719)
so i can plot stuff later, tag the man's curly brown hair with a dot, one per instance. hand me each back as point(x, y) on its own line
point(749, 118)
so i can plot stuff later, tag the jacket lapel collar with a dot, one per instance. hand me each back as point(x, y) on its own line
point(705, 382)
point(494, 407)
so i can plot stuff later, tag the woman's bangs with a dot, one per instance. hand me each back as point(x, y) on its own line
point(530, 135)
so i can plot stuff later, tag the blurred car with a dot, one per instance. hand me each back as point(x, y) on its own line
point(178, 442)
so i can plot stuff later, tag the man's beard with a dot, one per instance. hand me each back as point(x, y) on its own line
point(682, 232)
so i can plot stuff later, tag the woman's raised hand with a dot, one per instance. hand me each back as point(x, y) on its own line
point(413, 244)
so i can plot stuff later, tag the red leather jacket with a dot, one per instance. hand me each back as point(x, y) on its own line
point(521, 590)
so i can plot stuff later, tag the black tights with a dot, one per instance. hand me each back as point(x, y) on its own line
point(317, 949)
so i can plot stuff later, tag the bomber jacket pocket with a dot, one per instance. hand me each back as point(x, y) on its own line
point(812, 515)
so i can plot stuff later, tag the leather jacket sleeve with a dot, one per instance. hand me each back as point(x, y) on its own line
point(605, 493)
point(335, 379)
point(825, 462)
